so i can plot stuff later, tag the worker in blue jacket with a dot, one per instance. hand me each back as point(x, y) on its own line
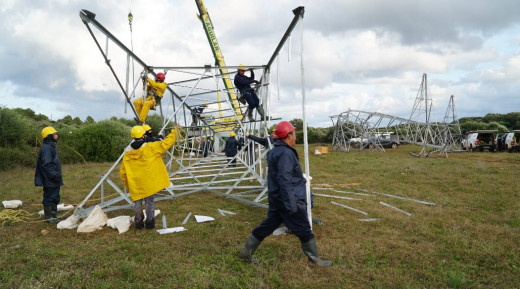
point(243, 84)
point(287, 198)
point(48, 174)
point(231, 149)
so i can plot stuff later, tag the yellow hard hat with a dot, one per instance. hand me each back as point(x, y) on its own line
point(206, 104)
point(137, 131)
point(242, 67)
point(47, 131)
point(146, 127)
point(211, 138)
point(232, 134)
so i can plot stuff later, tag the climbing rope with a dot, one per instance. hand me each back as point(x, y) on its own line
point(15, 216)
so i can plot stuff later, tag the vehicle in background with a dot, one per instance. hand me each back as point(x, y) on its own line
point(384, 140)
point(500, 142)
point(479, 140)
point(511, 139)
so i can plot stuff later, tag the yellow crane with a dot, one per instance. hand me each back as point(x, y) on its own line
point(219, 57)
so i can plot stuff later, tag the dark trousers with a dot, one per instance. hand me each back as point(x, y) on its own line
point(149, 208)
point(297, 222)
point(233, 161)
point(51, 196)
point(251, 99)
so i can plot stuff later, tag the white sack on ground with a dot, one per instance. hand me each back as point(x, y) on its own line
point(95, 221)
point(71, 222)
point(13, 204)
point(121, 223)
point(61, 207)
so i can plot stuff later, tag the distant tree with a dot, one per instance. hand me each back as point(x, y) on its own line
point(66, 120)
point(77, 121)
point(298, 123)
point(89, 120)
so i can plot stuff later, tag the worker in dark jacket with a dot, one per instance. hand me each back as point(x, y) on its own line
point(207, 146)
point(148, 135)
point(243, 84)
point(231, 149)
point(196, 112)
point(287, 198)
point(267, 142)
point(48, 174)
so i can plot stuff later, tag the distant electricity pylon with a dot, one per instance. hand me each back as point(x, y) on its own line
point(361, 129)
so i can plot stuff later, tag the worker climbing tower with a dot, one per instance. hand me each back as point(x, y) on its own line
point(193, 99)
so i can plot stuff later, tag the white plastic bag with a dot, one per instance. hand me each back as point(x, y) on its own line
point(13, 204)
point(95, 221)
point(71, 222)
point(121, 223)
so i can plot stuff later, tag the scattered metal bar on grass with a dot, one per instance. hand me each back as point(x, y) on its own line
point(397, 209)
point(227, 212)
point(186, 219)
point(345, 206)
point(368, 220)
point(220, 212)
point(361, 194)
point(335, 197)
point(403, 198)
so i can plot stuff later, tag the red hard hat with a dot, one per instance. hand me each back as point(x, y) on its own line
point(283, 129)
point(161, 76)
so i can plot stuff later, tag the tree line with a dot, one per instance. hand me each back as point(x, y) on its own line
point(104, 141)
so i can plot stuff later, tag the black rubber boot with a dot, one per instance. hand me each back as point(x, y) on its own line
point(261, 112)
point(310, 249)
point(47, 211)
point(55, 211)
point(150, 224)
point(249, 248)
point(250, 114)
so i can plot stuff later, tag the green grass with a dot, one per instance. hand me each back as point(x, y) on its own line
point(470, 239)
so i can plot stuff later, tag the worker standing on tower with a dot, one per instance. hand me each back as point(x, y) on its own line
point(154, 93)
point(243, 84)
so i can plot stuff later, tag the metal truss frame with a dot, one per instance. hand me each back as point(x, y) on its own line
point(189, 170)
point(436, 137)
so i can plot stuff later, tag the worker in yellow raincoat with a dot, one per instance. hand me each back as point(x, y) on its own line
point(155, 91)
point(143, 172)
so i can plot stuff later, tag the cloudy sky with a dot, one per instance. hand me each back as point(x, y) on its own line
point(360, 54)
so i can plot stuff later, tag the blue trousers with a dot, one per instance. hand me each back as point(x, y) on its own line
point(51, 196)
point(297, 222)
point(251, 99)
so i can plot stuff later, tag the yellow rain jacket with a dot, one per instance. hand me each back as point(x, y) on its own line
point(143, 171)
point(159, 87)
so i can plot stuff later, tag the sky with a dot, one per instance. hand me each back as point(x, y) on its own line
point(357, 54)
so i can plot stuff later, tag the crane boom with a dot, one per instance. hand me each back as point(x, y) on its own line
point(217, 53)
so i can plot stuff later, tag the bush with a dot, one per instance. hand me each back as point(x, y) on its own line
point(13, 157)
point(104, 141)
point(16, 130)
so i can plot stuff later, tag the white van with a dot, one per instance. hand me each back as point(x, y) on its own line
point(512, 141)
point(479, 140)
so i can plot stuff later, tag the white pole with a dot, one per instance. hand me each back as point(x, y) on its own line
point(305, 144)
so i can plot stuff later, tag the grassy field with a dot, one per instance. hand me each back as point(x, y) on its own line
point(469, 239)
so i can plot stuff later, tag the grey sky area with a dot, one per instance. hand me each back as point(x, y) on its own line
point(362, 55)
